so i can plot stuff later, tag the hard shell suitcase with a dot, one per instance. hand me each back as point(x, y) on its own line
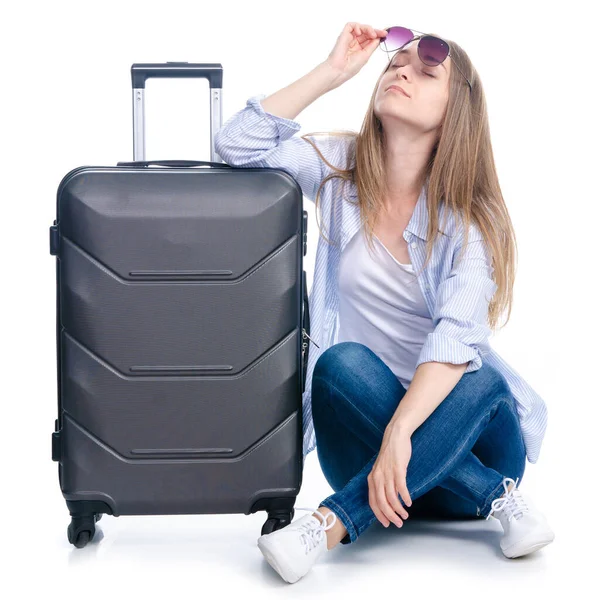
point(181, 315)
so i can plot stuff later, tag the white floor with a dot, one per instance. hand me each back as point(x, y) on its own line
point(216, 556)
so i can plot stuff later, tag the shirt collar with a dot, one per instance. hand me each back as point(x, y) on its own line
point(420, 218)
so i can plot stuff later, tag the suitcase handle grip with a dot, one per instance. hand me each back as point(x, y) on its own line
point(173, 163)
point(213, 72)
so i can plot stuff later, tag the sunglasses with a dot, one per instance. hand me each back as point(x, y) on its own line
point(432, 50)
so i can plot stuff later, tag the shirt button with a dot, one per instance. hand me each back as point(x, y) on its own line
point(413, 244)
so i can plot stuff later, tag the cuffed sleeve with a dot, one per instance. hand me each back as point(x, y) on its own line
point(256, 121)
point(253, 137)
point(461, 333)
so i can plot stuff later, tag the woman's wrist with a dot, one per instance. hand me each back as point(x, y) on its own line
point(401, 427)
point(331, 75)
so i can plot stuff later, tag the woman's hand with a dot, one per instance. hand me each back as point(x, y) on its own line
point(353, 48)
point(388, 477)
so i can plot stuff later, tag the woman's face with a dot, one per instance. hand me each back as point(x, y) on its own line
point(427, 88)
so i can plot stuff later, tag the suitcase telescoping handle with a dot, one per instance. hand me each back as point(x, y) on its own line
point(140, 72)
point(174, 163)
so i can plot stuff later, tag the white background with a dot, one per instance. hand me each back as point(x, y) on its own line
point(66, 102)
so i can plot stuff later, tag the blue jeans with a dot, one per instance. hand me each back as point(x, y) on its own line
point(460, 453)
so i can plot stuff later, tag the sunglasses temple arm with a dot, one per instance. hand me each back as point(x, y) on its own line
point(467, 79)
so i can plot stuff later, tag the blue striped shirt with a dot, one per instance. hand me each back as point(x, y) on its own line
point(457, 294)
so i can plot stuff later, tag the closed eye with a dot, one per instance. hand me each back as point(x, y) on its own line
point(425, 72)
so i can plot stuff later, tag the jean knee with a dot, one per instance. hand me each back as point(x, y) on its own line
point(487, 384)
point(345, 357)
point(338, 360)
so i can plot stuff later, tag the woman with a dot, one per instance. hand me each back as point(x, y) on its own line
point(407, 413)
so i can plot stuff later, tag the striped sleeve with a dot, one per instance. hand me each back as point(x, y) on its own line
point(253, 137)
point(461, 332)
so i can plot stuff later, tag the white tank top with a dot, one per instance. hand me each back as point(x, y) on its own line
point(382, 306)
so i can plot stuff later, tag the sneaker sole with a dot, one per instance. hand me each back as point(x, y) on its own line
point(285, 572)
point(530, 544)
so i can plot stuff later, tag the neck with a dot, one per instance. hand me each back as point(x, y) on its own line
point(406, 158)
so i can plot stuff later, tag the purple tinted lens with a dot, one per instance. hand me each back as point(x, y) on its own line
point(432, 50)
point(396, 38)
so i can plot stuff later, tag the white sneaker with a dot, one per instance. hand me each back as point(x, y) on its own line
point(525, 527)
point(293, 549)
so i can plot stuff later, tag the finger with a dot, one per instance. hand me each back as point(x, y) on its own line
point(365, 33)
point(367, 36)
point(373, 44)
point(369, 40)
point(401, 482)
point(353, 29)
point(392, 498)
point(383, 503)
point(379, 33)
point(359, 34)
point(395, 501)
point(373, 503)
point(369, 43)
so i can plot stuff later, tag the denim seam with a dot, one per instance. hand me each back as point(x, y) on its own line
point(474, 491)
point(352, 531)
point(487, 505)
point(489, 499)
point(379, 431)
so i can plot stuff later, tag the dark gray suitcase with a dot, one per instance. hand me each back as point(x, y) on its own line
point(181, 312)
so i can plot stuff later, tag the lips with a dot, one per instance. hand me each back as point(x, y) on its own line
point(397, 87)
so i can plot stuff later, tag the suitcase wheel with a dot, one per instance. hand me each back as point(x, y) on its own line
point(82, 530)
point(277, 520)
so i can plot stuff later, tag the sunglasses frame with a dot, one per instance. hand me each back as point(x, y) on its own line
point(413, 31)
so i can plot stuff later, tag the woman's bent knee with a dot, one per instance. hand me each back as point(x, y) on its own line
point(345, 357)
point(487, 383)
point(334, 376)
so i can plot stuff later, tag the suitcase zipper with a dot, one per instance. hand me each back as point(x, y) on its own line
point(304, 343)
point(305, 336)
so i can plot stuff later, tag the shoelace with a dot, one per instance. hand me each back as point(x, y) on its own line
point(512, 503)
point(314, 532)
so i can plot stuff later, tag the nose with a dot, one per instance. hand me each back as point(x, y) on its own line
point(401, 75)
point(400, 72)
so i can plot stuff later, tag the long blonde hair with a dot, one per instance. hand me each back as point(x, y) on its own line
point(461, 173)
